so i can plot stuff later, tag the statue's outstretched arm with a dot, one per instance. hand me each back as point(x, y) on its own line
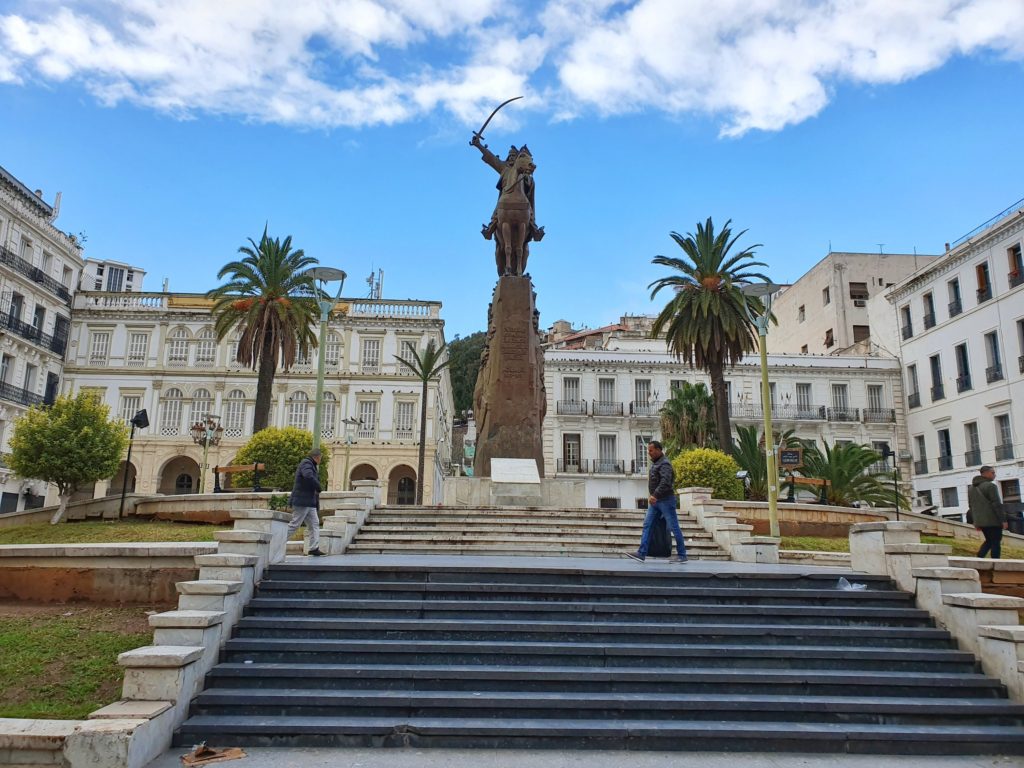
point(487, 156)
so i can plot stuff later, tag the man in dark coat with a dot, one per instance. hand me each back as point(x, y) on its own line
point(661, 486)
point(305, 500)
point(987, 512)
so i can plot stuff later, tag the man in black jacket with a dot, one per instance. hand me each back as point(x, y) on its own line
point(661, 485)
point(305, 500)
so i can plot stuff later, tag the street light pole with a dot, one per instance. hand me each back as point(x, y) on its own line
point(765, 291)
point(323, 274)
point(206, 433)
point(350, 423)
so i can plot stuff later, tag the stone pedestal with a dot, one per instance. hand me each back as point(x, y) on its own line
point(509, 400)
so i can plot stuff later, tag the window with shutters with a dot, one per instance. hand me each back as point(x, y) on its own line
point(234, 414)
point(803, 397)
point(607, 453)
point(332, 355)
point(371, 356)
point(298, 410)
point(202, 405)
point(138, 347)
point(130, 405)
point(177, 348)
point(571, 389)
point(405, 420)
point(170, 413)
point(99, 347)
point(875, 397)
point(367, 410)
point(206, 349)
point(408, 353)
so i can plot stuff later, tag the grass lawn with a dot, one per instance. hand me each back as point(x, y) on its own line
point(961, 548)
point(108, 531)
point(60, 662)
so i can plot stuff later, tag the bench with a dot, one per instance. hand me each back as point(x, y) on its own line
point(812, 481)
point(235, 469)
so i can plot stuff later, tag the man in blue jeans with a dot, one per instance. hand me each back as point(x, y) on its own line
point(661, 486)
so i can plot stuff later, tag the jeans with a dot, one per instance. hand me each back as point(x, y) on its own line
point(664, 508)
point(993, 541)
point(310, 517)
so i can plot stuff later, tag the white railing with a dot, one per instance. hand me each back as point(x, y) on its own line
point(368, 308)
point(96, 300)
point(405, 434)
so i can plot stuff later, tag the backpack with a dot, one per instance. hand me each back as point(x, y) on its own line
point(660, 543)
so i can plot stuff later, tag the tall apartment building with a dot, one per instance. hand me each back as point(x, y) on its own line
point(39, 269)
point(961, 335)
point(111, 276)
point(158, 351)
point(604, 404)
point(826, 311)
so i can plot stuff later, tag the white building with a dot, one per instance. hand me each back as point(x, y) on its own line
point(39, 268)
point(961, 326)
point(827, 311)
point(158, 351)
point(604, 404)
point(111, 276)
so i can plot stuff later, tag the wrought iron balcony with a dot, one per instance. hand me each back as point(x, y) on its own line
point(929, 320)
point(955, 307)
point(879, 468)
point(984, 294)
point(879, 415)
point(19, 395)
point(799, 412)
point(973, 458)
point(945, 463)
point(639, 467)
point(571, 407)
point(844, 414)
point(644, 410)
point(963, 383)
point(608, 467)
point(914, 400)
point(17, 263)
point(606, 408)
point(938, 393)
point(921, 467)
point(1004, 452)
point(1016, 278)
point(994, 373)
point(576, 467)
point(745, 411)
point(56, 344)
point(908, 331)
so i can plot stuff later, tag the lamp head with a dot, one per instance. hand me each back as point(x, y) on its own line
point(760, 289)
point(326, 273)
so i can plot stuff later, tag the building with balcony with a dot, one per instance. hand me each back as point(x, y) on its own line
point(828, 310)
point(604, 406)
point(158, 351)
point(963, 362)
point(39, 268)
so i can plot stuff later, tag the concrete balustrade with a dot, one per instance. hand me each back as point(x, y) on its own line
point(730, 535)
point(902, 559)
point(268, 521)
point(868, 542)
point(350, 511)
point(934, 583)
point(966, 614)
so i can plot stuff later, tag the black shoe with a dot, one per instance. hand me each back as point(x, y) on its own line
point(315, 552)
point(635, 556)
point(681, 560)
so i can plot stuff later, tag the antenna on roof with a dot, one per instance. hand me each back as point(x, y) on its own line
point(880, 246)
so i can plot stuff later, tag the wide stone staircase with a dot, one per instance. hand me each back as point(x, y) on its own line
point(594, 654)
point(516, 531)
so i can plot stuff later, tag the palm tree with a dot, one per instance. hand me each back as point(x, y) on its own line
point(748, 450)
point(846, 466)
point(425, 366)
point(705, 322)
point(271, 300)
point(687, 418)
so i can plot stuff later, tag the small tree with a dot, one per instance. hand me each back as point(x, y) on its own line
point(848, 469)
point(708, 468)
point(71, 443)
point(425, 365)
point(281, 449)
point(748, 450)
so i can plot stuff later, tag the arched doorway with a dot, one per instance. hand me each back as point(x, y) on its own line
point(117, 481)
point(362, 472)
point(179, 475)
point(402, 485)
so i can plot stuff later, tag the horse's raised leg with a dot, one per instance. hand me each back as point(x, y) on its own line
point(506, 236)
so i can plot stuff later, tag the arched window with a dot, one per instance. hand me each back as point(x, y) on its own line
point(206, 349)
point(328, 416)
point(406, 491)
point(202, 404)
point(302, 359)
point(234, 414)
point(232, 359)
point(177, 348)
point(298, 410)
point(170, 412)
point(333, 351)
point(183, 483)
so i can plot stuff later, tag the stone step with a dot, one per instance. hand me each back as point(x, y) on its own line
point(499, 535)
point(510, 552)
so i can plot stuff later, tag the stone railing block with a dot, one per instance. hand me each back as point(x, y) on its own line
point(933, 584)
point(967, 612)
point(756, 549)
point(902, 559)
point(1002, 653)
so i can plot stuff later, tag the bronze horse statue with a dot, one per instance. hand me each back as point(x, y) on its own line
point(512, 225)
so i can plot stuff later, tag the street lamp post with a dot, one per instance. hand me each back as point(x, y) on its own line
point(765, 291)
point(206, 433)
point(350, 424)
point(323, 274)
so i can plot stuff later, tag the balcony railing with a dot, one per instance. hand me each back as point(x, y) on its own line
point(36, 275)
point(938, 393)
point(907, 331)
point(571, 407)
point(745, 411)
point(1016, 278)
point(914, 400)
point(879, 415)
point(639, 467)
point(955, 307)
point(799, 412)
point(879, 468)
point(973, 458)
point(994, 373)
point(56, 344)
point(921, 467)
point(606, 408)
point(963, 383)
point(1004, 452)
point(608, 467)
point(644, 410)
point(929, 320)
point(577, 467)
point(984, 294)
point(844, 414)
point(19, 395)
point(945, 463)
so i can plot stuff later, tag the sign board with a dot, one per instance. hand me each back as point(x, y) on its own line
point(514, 471)
point(791, 458)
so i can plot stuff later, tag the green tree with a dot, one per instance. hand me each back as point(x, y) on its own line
point(847, 467)
point(748, 450)
point(705, 322)
point(688, 418)
point(281, 449)
point(426, 365)
point(271, 300)
point(71, 443)
point(708, 468)
point(465, 354)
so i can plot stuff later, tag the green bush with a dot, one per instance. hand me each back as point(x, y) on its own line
point(708, 468)
point(281, 450)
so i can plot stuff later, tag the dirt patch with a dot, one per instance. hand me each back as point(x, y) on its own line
point(128, 620)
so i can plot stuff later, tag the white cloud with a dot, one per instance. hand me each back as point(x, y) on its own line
point(754, 64)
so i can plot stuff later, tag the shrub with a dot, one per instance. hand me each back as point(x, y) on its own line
point(708, 468)
point(281, 449)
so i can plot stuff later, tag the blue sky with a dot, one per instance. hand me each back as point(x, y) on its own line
point(175, 130)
